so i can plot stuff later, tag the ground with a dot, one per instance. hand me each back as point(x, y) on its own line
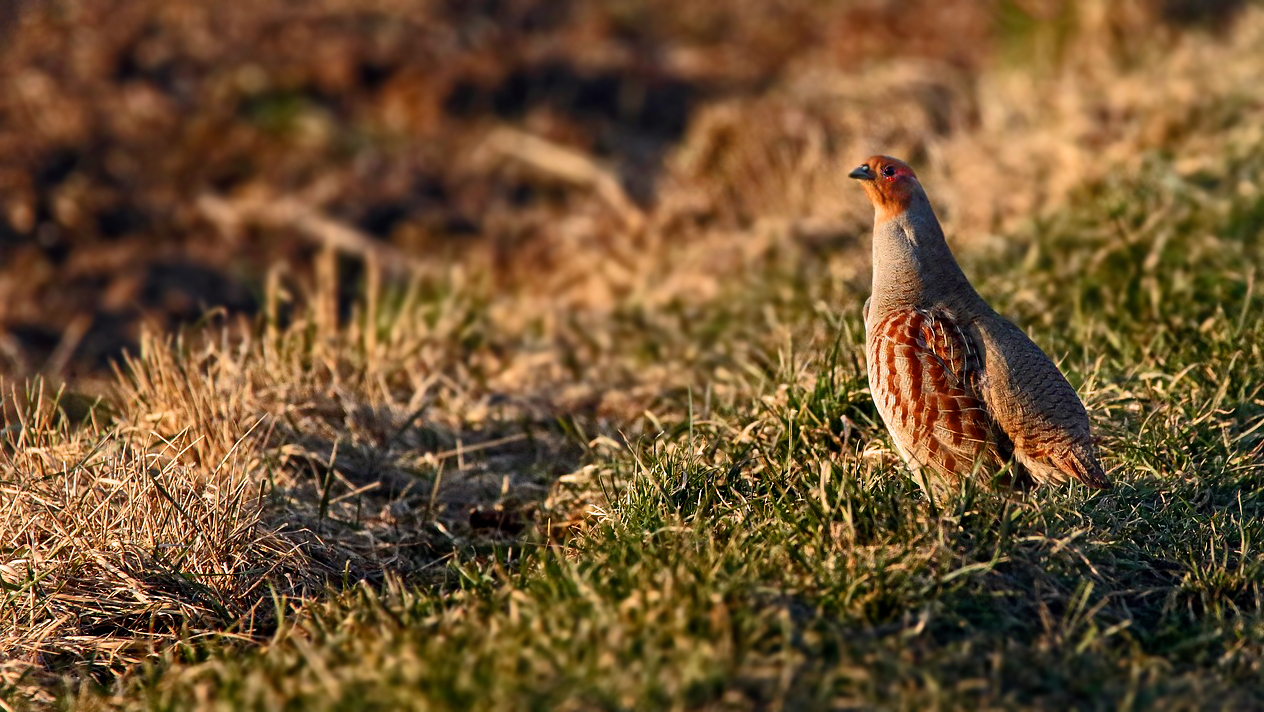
point(509, 355)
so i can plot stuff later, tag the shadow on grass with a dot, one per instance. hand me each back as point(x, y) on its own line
point(375, 493)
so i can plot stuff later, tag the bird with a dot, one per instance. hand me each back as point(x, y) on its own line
point(961, 389)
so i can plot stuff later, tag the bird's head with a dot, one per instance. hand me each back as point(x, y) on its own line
point(890, 184)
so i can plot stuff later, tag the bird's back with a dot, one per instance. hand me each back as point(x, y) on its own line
point(1029, 399)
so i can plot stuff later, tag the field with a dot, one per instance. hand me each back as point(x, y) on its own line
point(508, 354)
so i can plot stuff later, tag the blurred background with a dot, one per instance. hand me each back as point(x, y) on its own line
point(163, 158)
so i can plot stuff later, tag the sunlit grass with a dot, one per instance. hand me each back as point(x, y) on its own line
point(654, 477)
point(754, 544)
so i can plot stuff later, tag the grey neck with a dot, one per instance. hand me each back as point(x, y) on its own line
point(912, 265)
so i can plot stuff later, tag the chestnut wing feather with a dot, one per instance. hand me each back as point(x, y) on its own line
point(925, 370)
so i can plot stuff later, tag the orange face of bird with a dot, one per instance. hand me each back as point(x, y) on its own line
point(889, 183)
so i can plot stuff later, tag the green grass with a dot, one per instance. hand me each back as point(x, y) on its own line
point(755, 546)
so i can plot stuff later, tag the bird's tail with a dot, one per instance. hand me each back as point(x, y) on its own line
point(1085, 467)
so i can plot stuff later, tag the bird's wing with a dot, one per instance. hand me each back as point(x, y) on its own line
point(929, 367)
point(1032, 402)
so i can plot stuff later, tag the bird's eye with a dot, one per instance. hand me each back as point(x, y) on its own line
point(888, 171)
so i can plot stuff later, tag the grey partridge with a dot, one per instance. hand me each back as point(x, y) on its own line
point(961, 389)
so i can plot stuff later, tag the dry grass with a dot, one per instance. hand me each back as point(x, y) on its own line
point(115, 539)
point(232, 474)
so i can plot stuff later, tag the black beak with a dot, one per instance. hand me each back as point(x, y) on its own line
point(862, 172)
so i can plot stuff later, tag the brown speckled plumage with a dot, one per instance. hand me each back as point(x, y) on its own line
point(960, 388)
